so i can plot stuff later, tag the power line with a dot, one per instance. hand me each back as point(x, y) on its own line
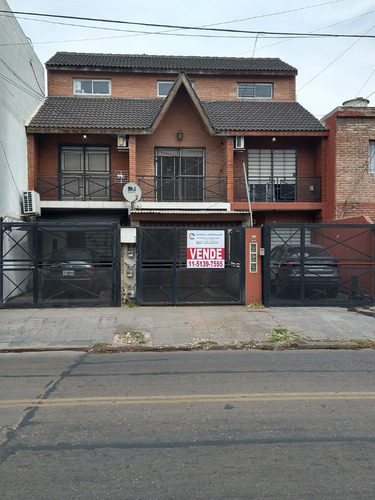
point(197, 28)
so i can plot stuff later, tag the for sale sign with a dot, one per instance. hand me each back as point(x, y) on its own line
point(205, 249)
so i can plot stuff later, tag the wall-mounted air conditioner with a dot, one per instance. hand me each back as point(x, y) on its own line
point(122, 142)
point(239, 142)
point(31, 203)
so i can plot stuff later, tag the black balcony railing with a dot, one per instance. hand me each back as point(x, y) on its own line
point(184, 188)
point(81, 187)
point(279, 189)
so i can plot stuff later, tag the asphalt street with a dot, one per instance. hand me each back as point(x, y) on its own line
point(188, 425)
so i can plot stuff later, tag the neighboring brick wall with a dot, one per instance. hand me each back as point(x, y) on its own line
point(60, 83)
point(355, 186)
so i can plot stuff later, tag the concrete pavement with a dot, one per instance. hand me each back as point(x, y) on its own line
point(178, 327)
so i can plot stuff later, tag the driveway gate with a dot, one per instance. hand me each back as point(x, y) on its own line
point(59, 264)
point(319, 264)
point(163, 277)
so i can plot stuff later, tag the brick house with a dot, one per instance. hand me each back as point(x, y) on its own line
point(182, 128)
point(351, 163)
point(210, 142)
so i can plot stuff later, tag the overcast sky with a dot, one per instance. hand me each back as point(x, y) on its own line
point(331, 70)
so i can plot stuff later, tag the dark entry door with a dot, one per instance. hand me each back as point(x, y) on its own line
point(164, 278)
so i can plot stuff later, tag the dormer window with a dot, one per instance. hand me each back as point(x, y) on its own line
point(165, 87)
point(247, 90)
point(89, 86)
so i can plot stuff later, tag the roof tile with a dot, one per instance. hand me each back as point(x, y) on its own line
point(139, 114)
point(161, 62)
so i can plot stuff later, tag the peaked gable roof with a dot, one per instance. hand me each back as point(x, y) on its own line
point(183, 82)
point(144, 62)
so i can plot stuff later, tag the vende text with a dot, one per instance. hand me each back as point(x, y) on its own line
point(205, 253)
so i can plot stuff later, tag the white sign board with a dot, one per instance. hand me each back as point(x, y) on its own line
point(205, 249)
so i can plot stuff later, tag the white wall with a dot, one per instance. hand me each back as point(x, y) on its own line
point(22, 90)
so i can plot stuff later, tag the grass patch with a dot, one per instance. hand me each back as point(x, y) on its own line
point(99, 344)
point(203, 342)
point(256, 305)
point(282, 335)
point(132, 337)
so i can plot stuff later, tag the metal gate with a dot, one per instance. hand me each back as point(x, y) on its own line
point(45, 264)
point(163, 277)
point(318, 264)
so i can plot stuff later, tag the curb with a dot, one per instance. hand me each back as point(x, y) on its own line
point(262, 346)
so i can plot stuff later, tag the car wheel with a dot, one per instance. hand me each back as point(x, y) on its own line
point(332, 292)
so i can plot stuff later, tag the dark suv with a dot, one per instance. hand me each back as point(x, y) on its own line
point(320, 270)
point(71, 270)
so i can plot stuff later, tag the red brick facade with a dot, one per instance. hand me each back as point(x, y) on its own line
point(351, 185)
point(183, 115)
point(60, 83)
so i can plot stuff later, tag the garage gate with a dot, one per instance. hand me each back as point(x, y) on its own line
point(49, 264)
point(163, 277)
point(318, 264)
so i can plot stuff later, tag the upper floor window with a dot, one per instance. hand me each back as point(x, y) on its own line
point(371, 161)
point(247, 90)
point(165, 87)
point(91, 86)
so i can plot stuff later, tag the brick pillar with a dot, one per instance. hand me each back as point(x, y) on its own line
point(32, 161)
point(230, 172)
point(132, 159)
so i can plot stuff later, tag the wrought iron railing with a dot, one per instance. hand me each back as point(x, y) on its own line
point(278, 189)
point(183, 188)
point(81, 187)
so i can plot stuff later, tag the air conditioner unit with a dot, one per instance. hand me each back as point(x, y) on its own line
point(122, 142)
point(239, 142)
point(31, 203)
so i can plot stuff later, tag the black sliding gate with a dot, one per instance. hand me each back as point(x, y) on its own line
point(318, 264)
point(49, 264)
point(163, 277)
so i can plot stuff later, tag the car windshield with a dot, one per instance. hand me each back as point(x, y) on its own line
point(71, 255)
point(309, 252)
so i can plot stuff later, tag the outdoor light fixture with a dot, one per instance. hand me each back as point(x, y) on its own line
point(273, 139)
point(85, 136)
point(179, 135)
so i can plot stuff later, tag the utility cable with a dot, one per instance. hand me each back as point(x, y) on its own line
point(194, 28)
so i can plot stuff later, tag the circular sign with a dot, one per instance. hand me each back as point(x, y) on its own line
point(132, 192)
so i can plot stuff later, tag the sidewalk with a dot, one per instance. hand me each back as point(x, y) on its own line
point(178, 327)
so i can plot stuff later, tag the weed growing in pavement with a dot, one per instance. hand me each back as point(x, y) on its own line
point(132, 337)
point(282, 335)
point(256, 305)
point(204, 342)
point(99, 344)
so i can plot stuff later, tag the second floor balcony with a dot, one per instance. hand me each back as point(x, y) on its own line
point(81, 187)
point(278, 189)
point(184, 188)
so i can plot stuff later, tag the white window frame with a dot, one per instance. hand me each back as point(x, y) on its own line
point(77, 89)
point(251, 90)
point(371, 158)
point(162, 94)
